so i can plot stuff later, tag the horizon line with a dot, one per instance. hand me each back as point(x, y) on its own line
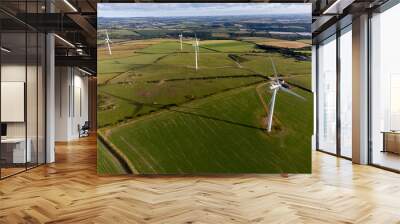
point(275, 14)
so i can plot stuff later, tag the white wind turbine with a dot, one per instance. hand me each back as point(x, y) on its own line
point(180, 37)
point(277, 84)
point(108, 41)
point(196, 51)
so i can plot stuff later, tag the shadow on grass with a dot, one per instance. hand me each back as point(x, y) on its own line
point(217, 119)
point(171, 107)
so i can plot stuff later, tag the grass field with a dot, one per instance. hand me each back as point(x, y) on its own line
point(222, 133)
point(106, 162)
point(229, 46)
point(165, 117)
point(127, 63)
point(141, 98)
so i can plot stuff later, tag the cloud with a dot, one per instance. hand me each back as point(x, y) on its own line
point(198, 9)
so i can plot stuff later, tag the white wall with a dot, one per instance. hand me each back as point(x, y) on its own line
point(61, 103)
point(33, 126)
point(9, 73)
point(80, 111)
point(13, 72)
point(71, 94)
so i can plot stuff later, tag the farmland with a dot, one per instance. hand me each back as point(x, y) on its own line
point(158, 114)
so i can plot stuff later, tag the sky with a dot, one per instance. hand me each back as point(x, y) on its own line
point(198, 9)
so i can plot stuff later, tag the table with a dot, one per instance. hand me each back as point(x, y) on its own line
point(391, 141)
point(13, 150)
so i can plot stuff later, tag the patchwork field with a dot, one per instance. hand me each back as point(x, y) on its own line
point(280, 43)
point(159, 115)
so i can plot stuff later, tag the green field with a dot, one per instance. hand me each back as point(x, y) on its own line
point(230, 46)
point(166, 117)
point(106, 162)
point(141, 98)
point(188, 139)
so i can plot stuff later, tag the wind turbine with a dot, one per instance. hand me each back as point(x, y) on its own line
point(196, 51)
point(180, 37)
point(276, 85)
point(197, 44)
point(108, 41)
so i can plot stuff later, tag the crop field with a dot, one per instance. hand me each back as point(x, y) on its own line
point(280, 43)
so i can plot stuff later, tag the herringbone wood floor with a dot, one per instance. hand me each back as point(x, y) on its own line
point(69, 191)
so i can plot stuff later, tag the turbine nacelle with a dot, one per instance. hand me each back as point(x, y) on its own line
point(275, 86)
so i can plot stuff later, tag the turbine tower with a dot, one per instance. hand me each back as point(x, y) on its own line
point(108, 41)
point(196, 51)
point(180, 37)
point(275, 86)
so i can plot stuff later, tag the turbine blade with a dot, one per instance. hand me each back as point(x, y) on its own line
point(291, 92)
point(108, 43)
point(273, 66)
point(271, 110)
